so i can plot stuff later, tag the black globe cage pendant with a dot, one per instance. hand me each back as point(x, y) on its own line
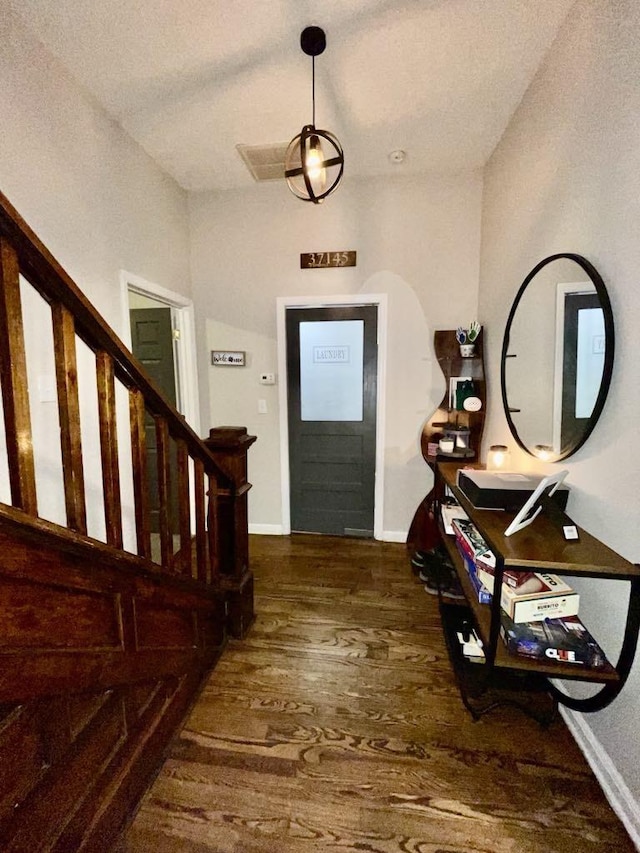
point(314, 161)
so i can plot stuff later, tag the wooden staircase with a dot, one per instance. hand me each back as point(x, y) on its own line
point(103, 647)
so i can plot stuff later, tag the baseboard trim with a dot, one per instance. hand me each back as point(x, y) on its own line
point(278, 530)
point(615, 788)
point(394, 536)
point(267, 529)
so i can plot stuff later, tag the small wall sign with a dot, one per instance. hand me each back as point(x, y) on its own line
point(227, 358)
point(326, 260)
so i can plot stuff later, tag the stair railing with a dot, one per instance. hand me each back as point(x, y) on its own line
point(209, 492)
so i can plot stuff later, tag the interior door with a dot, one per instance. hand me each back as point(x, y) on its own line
point(152, 345)
point(332, 356)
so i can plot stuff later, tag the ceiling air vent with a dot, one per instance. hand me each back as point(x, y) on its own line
point(265, 162)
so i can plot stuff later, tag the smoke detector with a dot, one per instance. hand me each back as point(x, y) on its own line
point(397, 156)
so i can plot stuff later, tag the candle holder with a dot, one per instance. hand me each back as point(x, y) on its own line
point(498, 458)
point(543, 452)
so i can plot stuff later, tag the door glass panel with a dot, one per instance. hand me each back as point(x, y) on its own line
point(590, 359)
point(331, 370)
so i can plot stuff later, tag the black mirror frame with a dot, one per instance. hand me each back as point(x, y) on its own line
point(607, 371)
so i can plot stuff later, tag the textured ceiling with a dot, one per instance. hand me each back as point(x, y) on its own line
point(191, 79)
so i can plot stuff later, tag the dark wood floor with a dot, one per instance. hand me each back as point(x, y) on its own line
point(336, 725)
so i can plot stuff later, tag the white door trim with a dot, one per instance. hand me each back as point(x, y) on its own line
point(186, 343)
point(284, 302)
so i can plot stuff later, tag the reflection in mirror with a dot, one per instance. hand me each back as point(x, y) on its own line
point(557, 356)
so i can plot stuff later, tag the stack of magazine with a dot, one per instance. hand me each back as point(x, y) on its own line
point(539, 610)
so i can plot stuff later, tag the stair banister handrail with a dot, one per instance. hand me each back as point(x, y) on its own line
point(54, 284)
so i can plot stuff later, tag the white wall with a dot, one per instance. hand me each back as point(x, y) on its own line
point(91, 194)
point(99, 205)
point(417, 241)
point(566, 177)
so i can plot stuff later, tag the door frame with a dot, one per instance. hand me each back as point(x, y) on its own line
point(285, 302)
point(185, 345)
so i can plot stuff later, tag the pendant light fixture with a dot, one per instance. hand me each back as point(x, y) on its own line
point(314, 161)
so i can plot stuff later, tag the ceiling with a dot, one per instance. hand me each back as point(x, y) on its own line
point(189, 80)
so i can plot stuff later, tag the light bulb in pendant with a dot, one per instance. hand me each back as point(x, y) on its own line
point(314, 160)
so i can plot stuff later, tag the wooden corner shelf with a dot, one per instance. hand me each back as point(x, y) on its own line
point(452, 364)
point(423, 534)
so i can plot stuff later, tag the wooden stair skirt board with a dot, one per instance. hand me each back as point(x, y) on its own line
point(100, 662)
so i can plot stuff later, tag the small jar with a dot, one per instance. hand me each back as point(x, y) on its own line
point(446, 444)
point(498, 458)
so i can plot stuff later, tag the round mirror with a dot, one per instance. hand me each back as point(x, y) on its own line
point(557, 356)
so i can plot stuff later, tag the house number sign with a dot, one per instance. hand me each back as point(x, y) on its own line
point(325, 260)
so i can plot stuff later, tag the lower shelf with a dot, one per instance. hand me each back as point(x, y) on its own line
point(484, 688)
point(605, 674)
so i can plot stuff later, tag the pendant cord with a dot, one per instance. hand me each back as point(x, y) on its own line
point(313, 88)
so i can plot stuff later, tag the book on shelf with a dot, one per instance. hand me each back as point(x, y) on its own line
point(482, 593)
point(468, 533)
point(563, 640)
point(546, 596)
point(448, 513)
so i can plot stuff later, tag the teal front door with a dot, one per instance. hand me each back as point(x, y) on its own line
point(152, 344)
point(332, 357)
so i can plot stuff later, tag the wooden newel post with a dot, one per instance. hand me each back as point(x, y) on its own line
point(229, 445)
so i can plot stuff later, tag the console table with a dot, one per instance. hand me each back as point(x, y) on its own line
point(541, 545)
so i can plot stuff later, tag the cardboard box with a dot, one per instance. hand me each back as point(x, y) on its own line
point(554, 599)
point(522, 581)
point(498, 490)
point(561, 640)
